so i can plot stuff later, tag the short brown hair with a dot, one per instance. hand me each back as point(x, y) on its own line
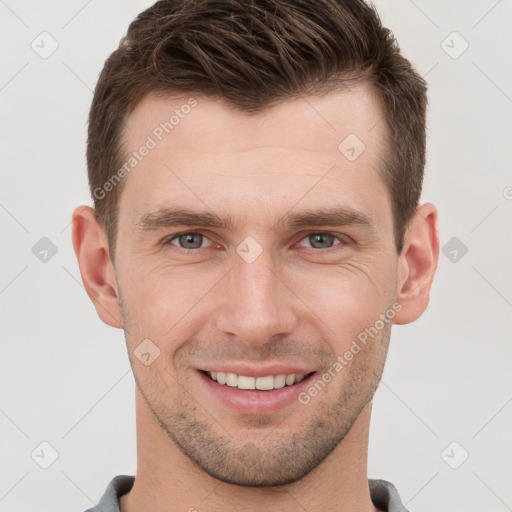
point(256, 53)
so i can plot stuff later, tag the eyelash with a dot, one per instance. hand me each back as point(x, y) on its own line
point(342, 240)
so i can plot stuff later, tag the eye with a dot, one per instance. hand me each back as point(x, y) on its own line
point(323, 240)
point(188, 240)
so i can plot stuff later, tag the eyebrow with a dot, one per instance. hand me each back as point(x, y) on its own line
point(341, 216)
point(172, 217)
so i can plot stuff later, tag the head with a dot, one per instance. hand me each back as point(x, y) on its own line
point(256, 170)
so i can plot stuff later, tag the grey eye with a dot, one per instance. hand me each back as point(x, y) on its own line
point(188, 240)
point(321, 240)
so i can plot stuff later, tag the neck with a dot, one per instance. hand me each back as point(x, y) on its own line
point(166, 480)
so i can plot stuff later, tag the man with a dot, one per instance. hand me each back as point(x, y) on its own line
point(256, 169)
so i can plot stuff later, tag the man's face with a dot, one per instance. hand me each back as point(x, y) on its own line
point(259, 296)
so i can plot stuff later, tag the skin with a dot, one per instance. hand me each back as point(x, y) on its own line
point(298, 303)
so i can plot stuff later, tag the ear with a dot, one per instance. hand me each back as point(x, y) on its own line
point(417, 264)
point(98, 274)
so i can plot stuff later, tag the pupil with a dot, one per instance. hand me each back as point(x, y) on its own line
point(186, 239)
point(322, 238)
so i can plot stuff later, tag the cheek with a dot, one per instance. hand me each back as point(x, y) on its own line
point(347, 299)
point(163, 303)
point(167, 303)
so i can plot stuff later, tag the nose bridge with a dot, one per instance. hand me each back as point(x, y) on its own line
point(256, 305)
point(257, 284)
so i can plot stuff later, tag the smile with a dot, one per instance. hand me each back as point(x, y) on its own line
point(264, 383)
point(253, 390)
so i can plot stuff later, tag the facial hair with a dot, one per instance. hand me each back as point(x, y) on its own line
point(267, 455)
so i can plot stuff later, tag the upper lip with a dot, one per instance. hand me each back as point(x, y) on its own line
point(255, 371)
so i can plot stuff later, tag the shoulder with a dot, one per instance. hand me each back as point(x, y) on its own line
point(385, 496)
point(109, 502)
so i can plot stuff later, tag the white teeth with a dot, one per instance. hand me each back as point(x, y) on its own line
point(246, 382)
point(232, 379)
point(265, 383)
point(280, 381)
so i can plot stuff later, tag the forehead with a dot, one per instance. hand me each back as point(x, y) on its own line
point(198, 122)
point(201, 150)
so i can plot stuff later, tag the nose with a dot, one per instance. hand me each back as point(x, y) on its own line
point(258, 305)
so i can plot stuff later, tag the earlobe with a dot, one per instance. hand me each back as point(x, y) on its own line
point(417, 264)
point(98, 275)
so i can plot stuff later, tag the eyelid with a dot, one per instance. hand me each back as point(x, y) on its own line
point(170, 239)
point(342, 239)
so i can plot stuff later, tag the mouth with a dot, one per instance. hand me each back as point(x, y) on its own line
point(267, 392)
point(261, 383)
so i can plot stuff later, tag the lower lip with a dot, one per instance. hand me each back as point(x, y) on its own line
point(255, 401)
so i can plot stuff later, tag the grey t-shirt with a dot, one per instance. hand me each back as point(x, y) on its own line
point(384, 495)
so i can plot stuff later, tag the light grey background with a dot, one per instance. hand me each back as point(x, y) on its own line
point(65, 376)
